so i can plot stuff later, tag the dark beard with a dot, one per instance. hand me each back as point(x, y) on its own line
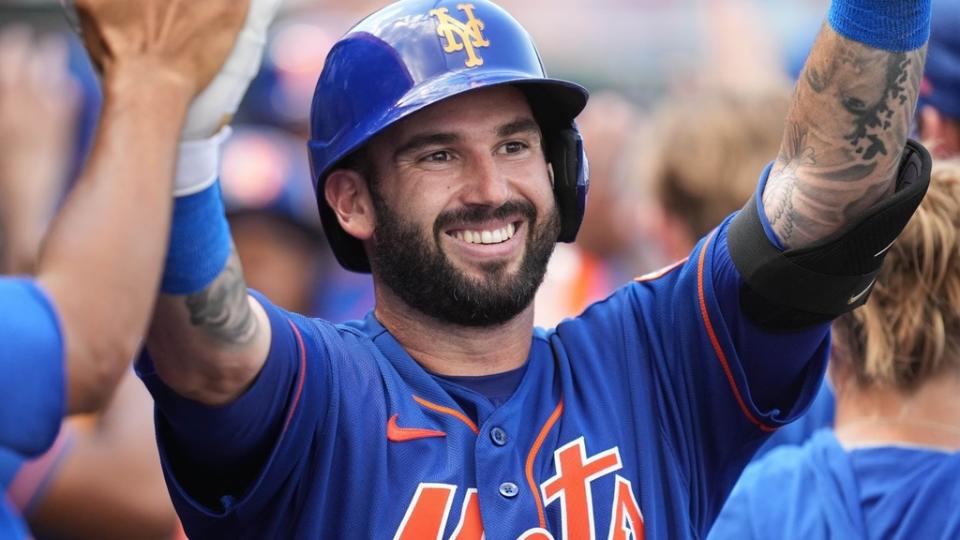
point(422, 276)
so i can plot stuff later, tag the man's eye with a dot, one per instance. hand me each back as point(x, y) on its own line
point(514, 146)
point(438, 157)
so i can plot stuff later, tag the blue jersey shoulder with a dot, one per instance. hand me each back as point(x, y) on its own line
point(32, 379)
point(820, 490)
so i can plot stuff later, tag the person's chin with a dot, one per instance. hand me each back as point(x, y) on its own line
point(486, 270)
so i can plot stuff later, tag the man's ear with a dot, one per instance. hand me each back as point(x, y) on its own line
point(347, 194)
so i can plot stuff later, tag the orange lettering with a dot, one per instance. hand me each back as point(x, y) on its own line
point(536, 534)
point(427, 514)
point(571, 485)
point(470, 526)
point(627, 520)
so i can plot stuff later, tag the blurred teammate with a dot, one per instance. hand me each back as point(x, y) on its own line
point(62, 347)
point(702, 138)
point(448, 165)
point(38, 113)
point(80, 488)
point(266, 190)
point(274, 223)
point(889, 467)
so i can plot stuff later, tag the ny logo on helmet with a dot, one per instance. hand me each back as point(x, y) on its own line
point(461, 35)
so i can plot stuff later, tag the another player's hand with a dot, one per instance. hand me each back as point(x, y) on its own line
point(38, 110)
point(183, 42)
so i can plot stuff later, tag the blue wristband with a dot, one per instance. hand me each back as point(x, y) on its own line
point(892, 25)
point(199, 242)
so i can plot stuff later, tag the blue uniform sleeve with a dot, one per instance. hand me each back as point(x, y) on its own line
point(12, 526)
point(739, 383)
point(774, 364)
point(216, 458)
point(705, 383)
point(736, 521)
point(819, 415)
point(32, 378)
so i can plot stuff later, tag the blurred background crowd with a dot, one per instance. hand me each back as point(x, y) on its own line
point(689, 100)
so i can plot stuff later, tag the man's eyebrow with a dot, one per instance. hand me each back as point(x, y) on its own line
point(520, 125)
point(418, 142)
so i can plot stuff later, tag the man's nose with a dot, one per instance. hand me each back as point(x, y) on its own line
point(487, 184)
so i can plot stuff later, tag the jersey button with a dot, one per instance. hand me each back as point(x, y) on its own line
point(498, 436)
point(509, 490)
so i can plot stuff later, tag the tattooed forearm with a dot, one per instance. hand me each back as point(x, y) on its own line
point(222, 309)
point(844, 136)
point(872, 121)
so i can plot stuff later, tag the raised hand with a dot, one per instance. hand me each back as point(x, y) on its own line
point(184, 41)
point(38, 110)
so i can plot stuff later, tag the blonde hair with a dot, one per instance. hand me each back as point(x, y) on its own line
point(909, 330)
point(710, 151)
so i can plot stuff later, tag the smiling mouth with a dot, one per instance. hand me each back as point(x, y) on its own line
point(486, 236)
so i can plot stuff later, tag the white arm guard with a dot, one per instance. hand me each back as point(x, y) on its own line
point(214, 107)
point(198, 163)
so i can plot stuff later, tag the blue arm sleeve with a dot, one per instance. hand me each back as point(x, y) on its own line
point(773, 363)
point(724, 384)
point(792, 349)
point(32, 379)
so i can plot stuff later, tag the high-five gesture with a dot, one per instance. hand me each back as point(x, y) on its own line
point(181, 41)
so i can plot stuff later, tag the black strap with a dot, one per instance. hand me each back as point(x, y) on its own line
point(814, 284)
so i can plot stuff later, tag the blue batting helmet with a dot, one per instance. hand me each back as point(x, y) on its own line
point(414, 53)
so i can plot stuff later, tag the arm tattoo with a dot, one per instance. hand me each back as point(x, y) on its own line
point(222, 309)
point(844, 136)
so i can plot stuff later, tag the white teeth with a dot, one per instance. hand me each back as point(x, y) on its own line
point(487, 237)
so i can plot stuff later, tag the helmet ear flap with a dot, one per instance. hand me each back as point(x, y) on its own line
point(569, 170)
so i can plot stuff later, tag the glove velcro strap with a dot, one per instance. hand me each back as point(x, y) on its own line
point(800, 287)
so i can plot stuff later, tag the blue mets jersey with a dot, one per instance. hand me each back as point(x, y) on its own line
point(818, 416)
point(32, 380)
point(11, 523)
point(32, 383)
point(632, 420)
point(821, 490)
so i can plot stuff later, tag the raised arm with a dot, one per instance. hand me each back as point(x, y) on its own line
point(101, 260)
point(38, 113)
point(210, 344)
point(850, 118)
point(208, 338)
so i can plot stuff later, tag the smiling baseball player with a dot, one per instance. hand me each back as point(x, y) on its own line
point(448, 164)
